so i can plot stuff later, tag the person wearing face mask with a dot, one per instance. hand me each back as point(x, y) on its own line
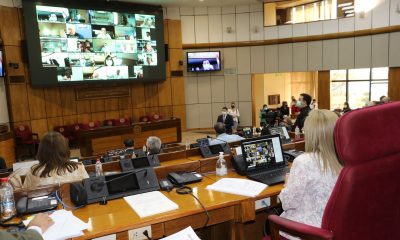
point(346, 107)
point(263, 115)
point(304, 104)
point(293, 106)
point(234, 112)
point(226, 119)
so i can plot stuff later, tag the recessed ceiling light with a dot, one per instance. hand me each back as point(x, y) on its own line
point(201, 0)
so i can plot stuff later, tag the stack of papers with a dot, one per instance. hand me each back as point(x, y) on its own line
point(150, 203)
point(65, 226)
point(238, 186)
point(185, 234)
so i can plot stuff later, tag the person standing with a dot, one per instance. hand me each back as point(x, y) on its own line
point(314, 104)
point(293, 106)
point(263, 115)
point(226, 119)
point(304, 104)
point(284, 109)
point(234, 112)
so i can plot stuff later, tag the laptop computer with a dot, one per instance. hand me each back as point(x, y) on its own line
point(264, 159)
point(282, 131)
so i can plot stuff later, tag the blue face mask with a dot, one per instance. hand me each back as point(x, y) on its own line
point(299, 104)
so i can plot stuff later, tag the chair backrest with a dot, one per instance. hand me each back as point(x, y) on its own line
point(23, 132)
point(122, 121)
point(64, 130)
point(365, 201)
point(109, 122)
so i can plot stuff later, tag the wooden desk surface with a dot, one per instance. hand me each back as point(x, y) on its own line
point(117, 216)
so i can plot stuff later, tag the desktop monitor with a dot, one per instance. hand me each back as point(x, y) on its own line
point(282, 131)
point(119, 183)
point(262, 152)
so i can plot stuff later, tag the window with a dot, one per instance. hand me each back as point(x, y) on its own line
point(300, 11)
point(358, 86)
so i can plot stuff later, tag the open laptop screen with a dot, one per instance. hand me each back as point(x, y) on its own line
point(282, 131)
point(262, 152)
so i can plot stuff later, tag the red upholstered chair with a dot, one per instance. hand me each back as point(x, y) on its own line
point(91, 125)
point(108, 123)
point(156, 117)
point(68, 131)
point(145, 119)
point(122, 122)
point(365, 200)
point(25, 139)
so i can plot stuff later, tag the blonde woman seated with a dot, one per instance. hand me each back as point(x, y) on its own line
point(54, 163)
point(314, 173)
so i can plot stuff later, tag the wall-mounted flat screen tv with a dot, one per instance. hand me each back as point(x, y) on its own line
point(203, 61)
point(93, 42)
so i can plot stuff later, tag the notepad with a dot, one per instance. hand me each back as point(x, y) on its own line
point(185, 234)
point(65, 226)
point(238, 186)
point(150, 203)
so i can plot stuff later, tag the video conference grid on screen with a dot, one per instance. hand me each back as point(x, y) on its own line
point(96, 45)
point(262, 152)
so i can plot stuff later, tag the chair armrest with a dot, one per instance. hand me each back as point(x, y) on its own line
point(296, 229)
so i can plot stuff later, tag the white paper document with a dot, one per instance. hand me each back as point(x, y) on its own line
point(185, 234)
point(238, 186)
point(65, 226)
point(151, 203)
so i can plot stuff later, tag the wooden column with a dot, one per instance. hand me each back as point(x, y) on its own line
point(324, 84)
point(394, 84)
point(7, 149)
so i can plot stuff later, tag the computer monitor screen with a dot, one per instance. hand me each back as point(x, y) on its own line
point(140, 162)
point(262, 152)
point(203, 61)
point(282, 131)
point(122, 182)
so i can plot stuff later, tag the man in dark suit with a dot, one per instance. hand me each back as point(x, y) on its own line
point(226, 119)
point(304, 104)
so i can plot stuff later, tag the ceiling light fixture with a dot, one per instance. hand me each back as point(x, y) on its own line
point(349, 11)
point(347, 8)
point(344, 4)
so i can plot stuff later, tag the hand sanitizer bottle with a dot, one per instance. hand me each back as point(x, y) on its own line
point(221, 169)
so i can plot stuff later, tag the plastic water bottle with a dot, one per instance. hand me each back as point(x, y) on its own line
point(6, 200)
point(221, 169)
point(99, 168)
point(187, 144)
point(297, 133)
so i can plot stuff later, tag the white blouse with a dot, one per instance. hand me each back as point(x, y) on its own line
point(307, 191)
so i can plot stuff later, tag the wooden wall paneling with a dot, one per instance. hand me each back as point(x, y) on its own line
point(137, 113)
point(124, 103)
point(97, 105)
point(165, 93)
point(324, 100)
point(166, 31)
point(138, 96)
point(71, 119)
point(84, 118)
point(53, 122)
point(53, 102)
point(37, 103)
point(175, 34)
point(151, 94)
point(83, 106)
point(394, 84)
point(21, 24)
point(127, 113)
point(10, 26)
point(152, 110)
point(25, 123)
point(166, 112)
point(40, 126)
point(68, 102)
point(167, 69)
point(19, 103)
point(99, 116)
point(179, 111)
point(111, 104)
point(175, 55)
point(13, 54)
point(111, 115)
point(178, 88)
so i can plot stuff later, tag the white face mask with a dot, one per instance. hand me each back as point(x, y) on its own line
point(224, 113)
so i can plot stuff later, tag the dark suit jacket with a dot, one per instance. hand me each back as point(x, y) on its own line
point(301, 118)
point(27, 235)
point(228, 122)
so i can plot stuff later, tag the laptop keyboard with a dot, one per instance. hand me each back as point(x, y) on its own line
point(271, 174)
